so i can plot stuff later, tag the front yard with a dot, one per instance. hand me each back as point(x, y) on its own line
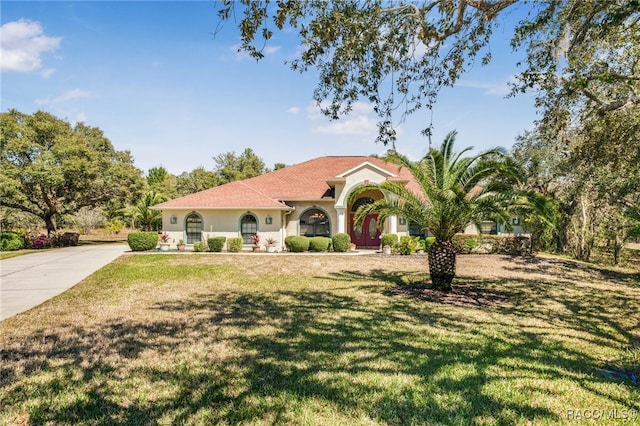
point(326, 339)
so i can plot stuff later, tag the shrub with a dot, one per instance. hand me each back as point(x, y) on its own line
point(216, 243)
point(69, 239)
point(341, 242)
point(319, 244)
point(141, 241)
point(407, 245)
point(287, 241)
point(389, 240)
point(428, 242)
point(299, 244)
point(11, 241)
point(234, 245)
point(200, 246)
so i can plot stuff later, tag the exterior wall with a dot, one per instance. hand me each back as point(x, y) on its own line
point(293, 220)
point(224, 223)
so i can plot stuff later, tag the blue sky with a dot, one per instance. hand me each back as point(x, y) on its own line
point(155, 80)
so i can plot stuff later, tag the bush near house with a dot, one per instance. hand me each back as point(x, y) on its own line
point(142, 240)
point(11, 241)
point(216, 244)
point(299, 244)
point(234, 245)
point(200, 246)
point(341, 242)
point(407, 245)
point(318, 244)
point(287, 242)
point(389, 240)
point(492, 244)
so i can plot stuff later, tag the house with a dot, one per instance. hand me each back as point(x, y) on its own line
point(310, 198)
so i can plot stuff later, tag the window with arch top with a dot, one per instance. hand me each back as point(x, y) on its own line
point(248, 228)
point(315, 223)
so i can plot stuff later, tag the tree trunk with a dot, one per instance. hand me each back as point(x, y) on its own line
point(442, 264)
point(48, 220)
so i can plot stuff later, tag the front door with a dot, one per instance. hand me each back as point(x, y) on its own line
point(367, 235)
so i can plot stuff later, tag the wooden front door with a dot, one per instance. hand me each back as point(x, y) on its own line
point(367, 235)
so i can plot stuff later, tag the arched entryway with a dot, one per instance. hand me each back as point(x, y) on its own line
point(367, 234)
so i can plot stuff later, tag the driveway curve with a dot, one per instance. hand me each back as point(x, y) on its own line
point(29, 280)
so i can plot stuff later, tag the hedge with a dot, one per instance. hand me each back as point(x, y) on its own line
point(488, 244)
point(141, 241)
point(299, 244)
point(389, 240)
point(341, 242)
point(216, 243)
point(11, 241)
point(287, 241)
point(408, 245)
point(234, 245)
point(200, 246)
point(319, 244)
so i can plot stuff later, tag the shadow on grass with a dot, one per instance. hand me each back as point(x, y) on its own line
point(369, 354)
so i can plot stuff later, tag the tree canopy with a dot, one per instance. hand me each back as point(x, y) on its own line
point(50, 167)
point(398, 55)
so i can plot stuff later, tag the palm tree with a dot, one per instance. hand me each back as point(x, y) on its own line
point(454, 192)
point(144, 215)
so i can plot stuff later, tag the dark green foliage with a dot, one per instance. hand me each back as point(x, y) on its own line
point(200, 246)
point(341, 242)
point(141, 241)
point(287, 242)
point(499, 244)
point(11, 241)
point(407, 245)
point(234, 245)
point(319, 244)
point(69, 239)
point(299, 244)
point(389, 240)
point(216, 243)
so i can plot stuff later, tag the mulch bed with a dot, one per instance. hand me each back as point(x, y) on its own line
point(460, 295)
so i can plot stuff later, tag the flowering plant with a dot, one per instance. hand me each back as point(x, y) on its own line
point(164, 237)
point(256, 239)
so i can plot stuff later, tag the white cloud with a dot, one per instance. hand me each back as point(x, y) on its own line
point(359, 122)
point(66, 96)
point(294, 110)
point(47, 73)
point(490, 88)
point(242, 55)
point(21, 44)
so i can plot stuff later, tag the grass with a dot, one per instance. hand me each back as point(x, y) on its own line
point(323, 339)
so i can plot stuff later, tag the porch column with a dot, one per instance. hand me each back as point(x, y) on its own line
point(341, 221)
point(393, 224)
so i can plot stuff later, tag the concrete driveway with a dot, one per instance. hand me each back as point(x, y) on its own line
point(29, 280)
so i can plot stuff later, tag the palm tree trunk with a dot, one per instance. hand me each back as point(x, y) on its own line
point(442, 264)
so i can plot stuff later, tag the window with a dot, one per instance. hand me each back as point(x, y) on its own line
point(361, 202)
point(415, 230)
point(194, 228)
point(248, 228)
point(315, 222)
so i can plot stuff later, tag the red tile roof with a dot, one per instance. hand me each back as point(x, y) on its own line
point(303, 181)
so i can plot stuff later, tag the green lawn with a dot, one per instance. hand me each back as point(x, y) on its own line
point(326, 339)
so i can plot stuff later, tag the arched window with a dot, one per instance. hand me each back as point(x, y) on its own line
point(315, 222)
point(248, 228)
point(361, 202)
point(194, 228)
